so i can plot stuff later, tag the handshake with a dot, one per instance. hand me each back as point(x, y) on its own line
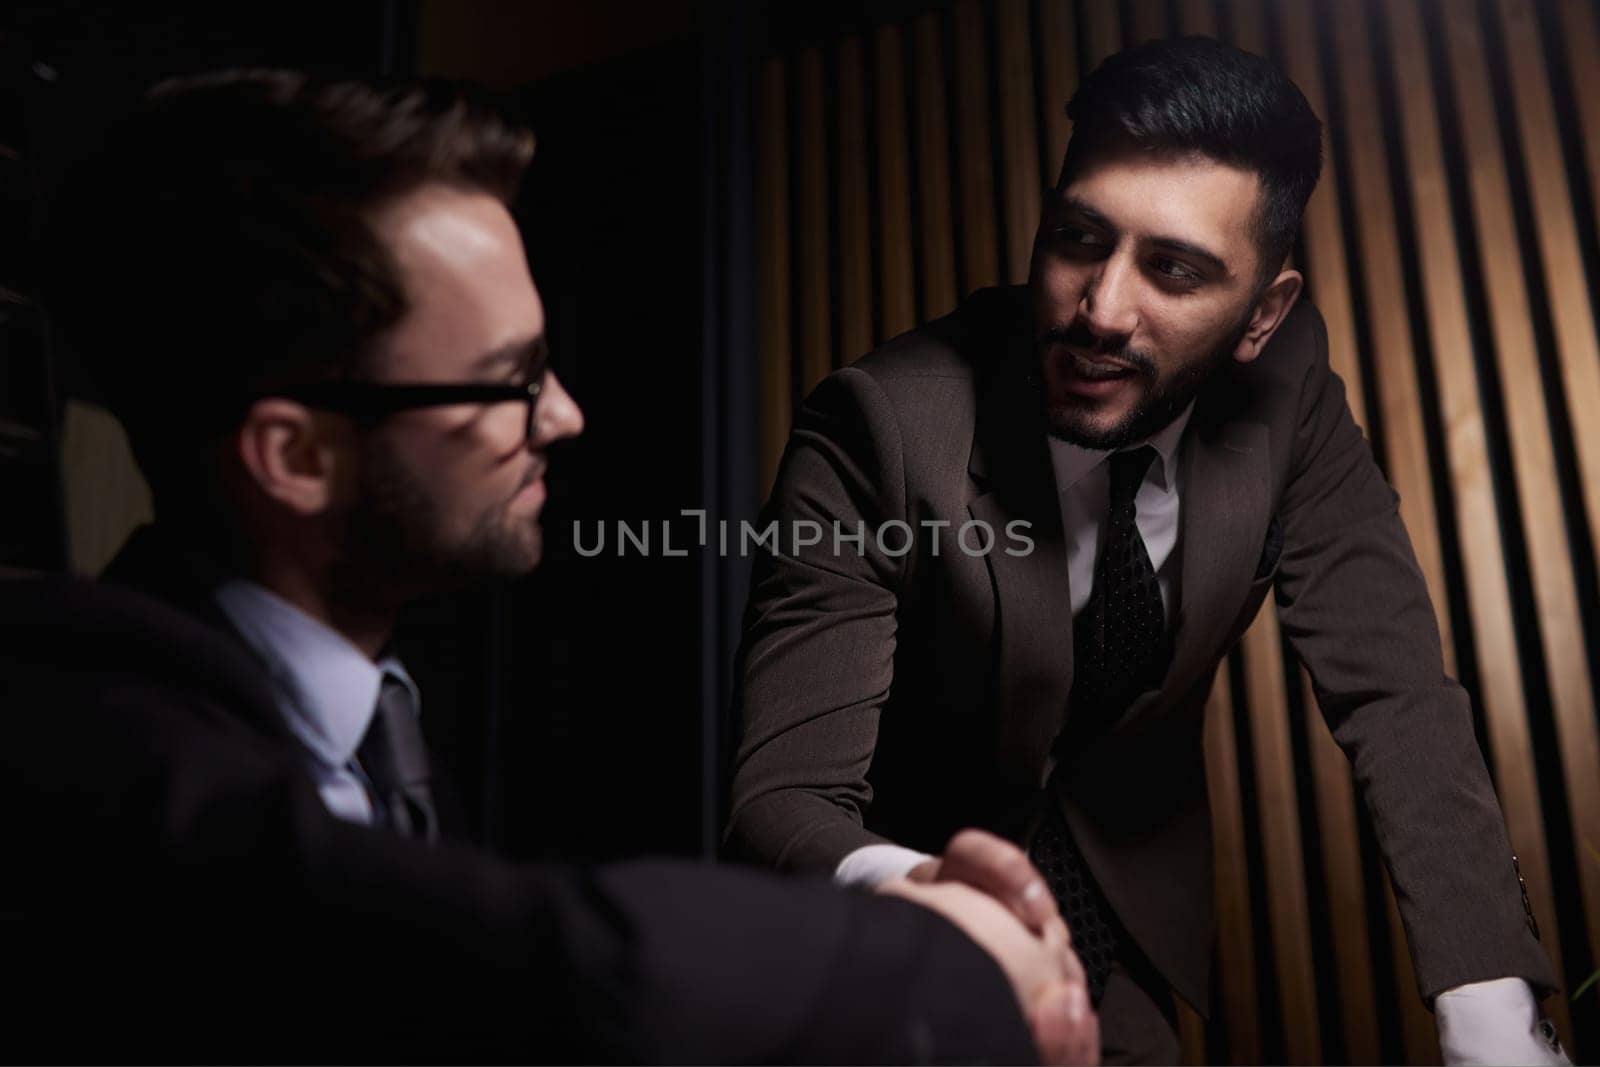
point(986, 886)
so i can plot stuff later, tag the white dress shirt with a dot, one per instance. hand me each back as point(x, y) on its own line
point(1483, 1022)
point(325, 687)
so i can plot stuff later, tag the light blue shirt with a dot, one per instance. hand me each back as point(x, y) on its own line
point(325, 687)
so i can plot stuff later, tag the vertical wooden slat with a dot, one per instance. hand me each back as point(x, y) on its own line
point(1236, 956)
point(1327, 269)
point(1278, 811)
point(1388, 326)
point(1148, 20)
point(1576, 340)
point(811, 197)
point(1549, 553)
point(1516, 358)
point(1058, 61)
point(1339, 836)
point(1102, 31)
point(1019, 147)
point(935, 212)
point(772, 265)
point(1191, 1037)
point(852, 237)
point(1197, 16)
point(1417, 1029)
point(1580, 29)
point(897, 297)
point(980, 253)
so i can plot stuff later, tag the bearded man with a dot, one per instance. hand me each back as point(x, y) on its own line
point(1155, 413)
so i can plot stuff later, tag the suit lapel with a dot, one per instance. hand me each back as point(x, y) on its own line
point(1227, 503)
point(1014, 479)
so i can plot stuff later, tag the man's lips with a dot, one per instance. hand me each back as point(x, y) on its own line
point(1089, 375)
point(532, 485)
point(1097, 367)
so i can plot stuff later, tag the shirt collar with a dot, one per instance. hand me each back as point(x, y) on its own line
point(1072, 461)
point(327, 687)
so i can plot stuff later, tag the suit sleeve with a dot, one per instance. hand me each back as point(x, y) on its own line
point(817, 658)
point(1355, 607)
point(177, 891)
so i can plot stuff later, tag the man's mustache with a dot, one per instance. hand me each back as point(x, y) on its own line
point(1077, 335)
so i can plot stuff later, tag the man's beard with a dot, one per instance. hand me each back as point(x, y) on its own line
point(395, 534)
point(1163, 399)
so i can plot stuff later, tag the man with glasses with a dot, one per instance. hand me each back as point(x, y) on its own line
point(310, 307)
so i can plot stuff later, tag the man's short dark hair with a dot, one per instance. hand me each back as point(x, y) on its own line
point(1197, 95)
point(222, 243)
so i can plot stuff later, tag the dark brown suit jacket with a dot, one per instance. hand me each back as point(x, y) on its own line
point(885, 697)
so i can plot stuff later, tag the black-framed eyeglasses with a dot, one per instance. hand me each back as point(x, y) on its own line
point(377, 399)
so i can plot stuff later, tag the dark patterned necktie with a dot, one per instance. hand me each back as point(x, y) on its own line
point(1120, 648)
point(396, 762)
point(1120, 644)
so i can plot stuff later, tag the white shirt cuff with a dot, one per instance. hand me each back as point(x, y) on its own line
point(1493, 1022)
point(871, 865)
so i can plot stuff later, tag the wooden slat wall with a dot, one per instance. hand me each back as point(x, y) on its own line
point(980, 251)
point(1019, 136)
point(936, 221)
point(1578, 347)
point(813, 317)
point(1451, 250)
point(853, 231)
point(897, 293)
point(773, 321)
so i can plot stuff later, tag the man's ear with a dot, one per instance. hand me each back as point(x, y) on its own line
point(1271, 309)
point(287, 457)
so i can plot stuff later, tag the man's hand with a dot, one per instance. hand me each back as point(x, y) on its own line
point(1043, 970)
point(999, 868)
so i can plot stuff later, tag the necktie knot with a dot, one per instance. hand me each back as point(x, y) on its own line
point(1127, 472)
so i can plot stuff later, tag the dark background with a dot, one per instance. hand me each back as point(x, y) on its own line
point(577, 705)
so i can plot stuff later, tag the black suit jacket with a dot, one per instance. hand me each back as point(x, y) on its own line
point(167, 570)
point(888, 695)
point(175, 890)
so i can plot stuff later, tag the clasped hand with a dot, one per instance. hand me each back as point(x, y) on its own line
point(987, 887)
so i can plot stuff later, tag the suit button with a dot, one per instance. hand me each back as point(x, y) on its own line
point(1527, 908)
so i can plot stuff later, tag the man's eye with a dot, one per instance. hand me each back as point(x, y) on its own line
point(1172, 270)
point(1079, 238)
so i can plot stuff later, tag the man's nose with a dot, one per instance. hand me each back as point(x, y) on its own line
point(1109, 306)
point(558, 415)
